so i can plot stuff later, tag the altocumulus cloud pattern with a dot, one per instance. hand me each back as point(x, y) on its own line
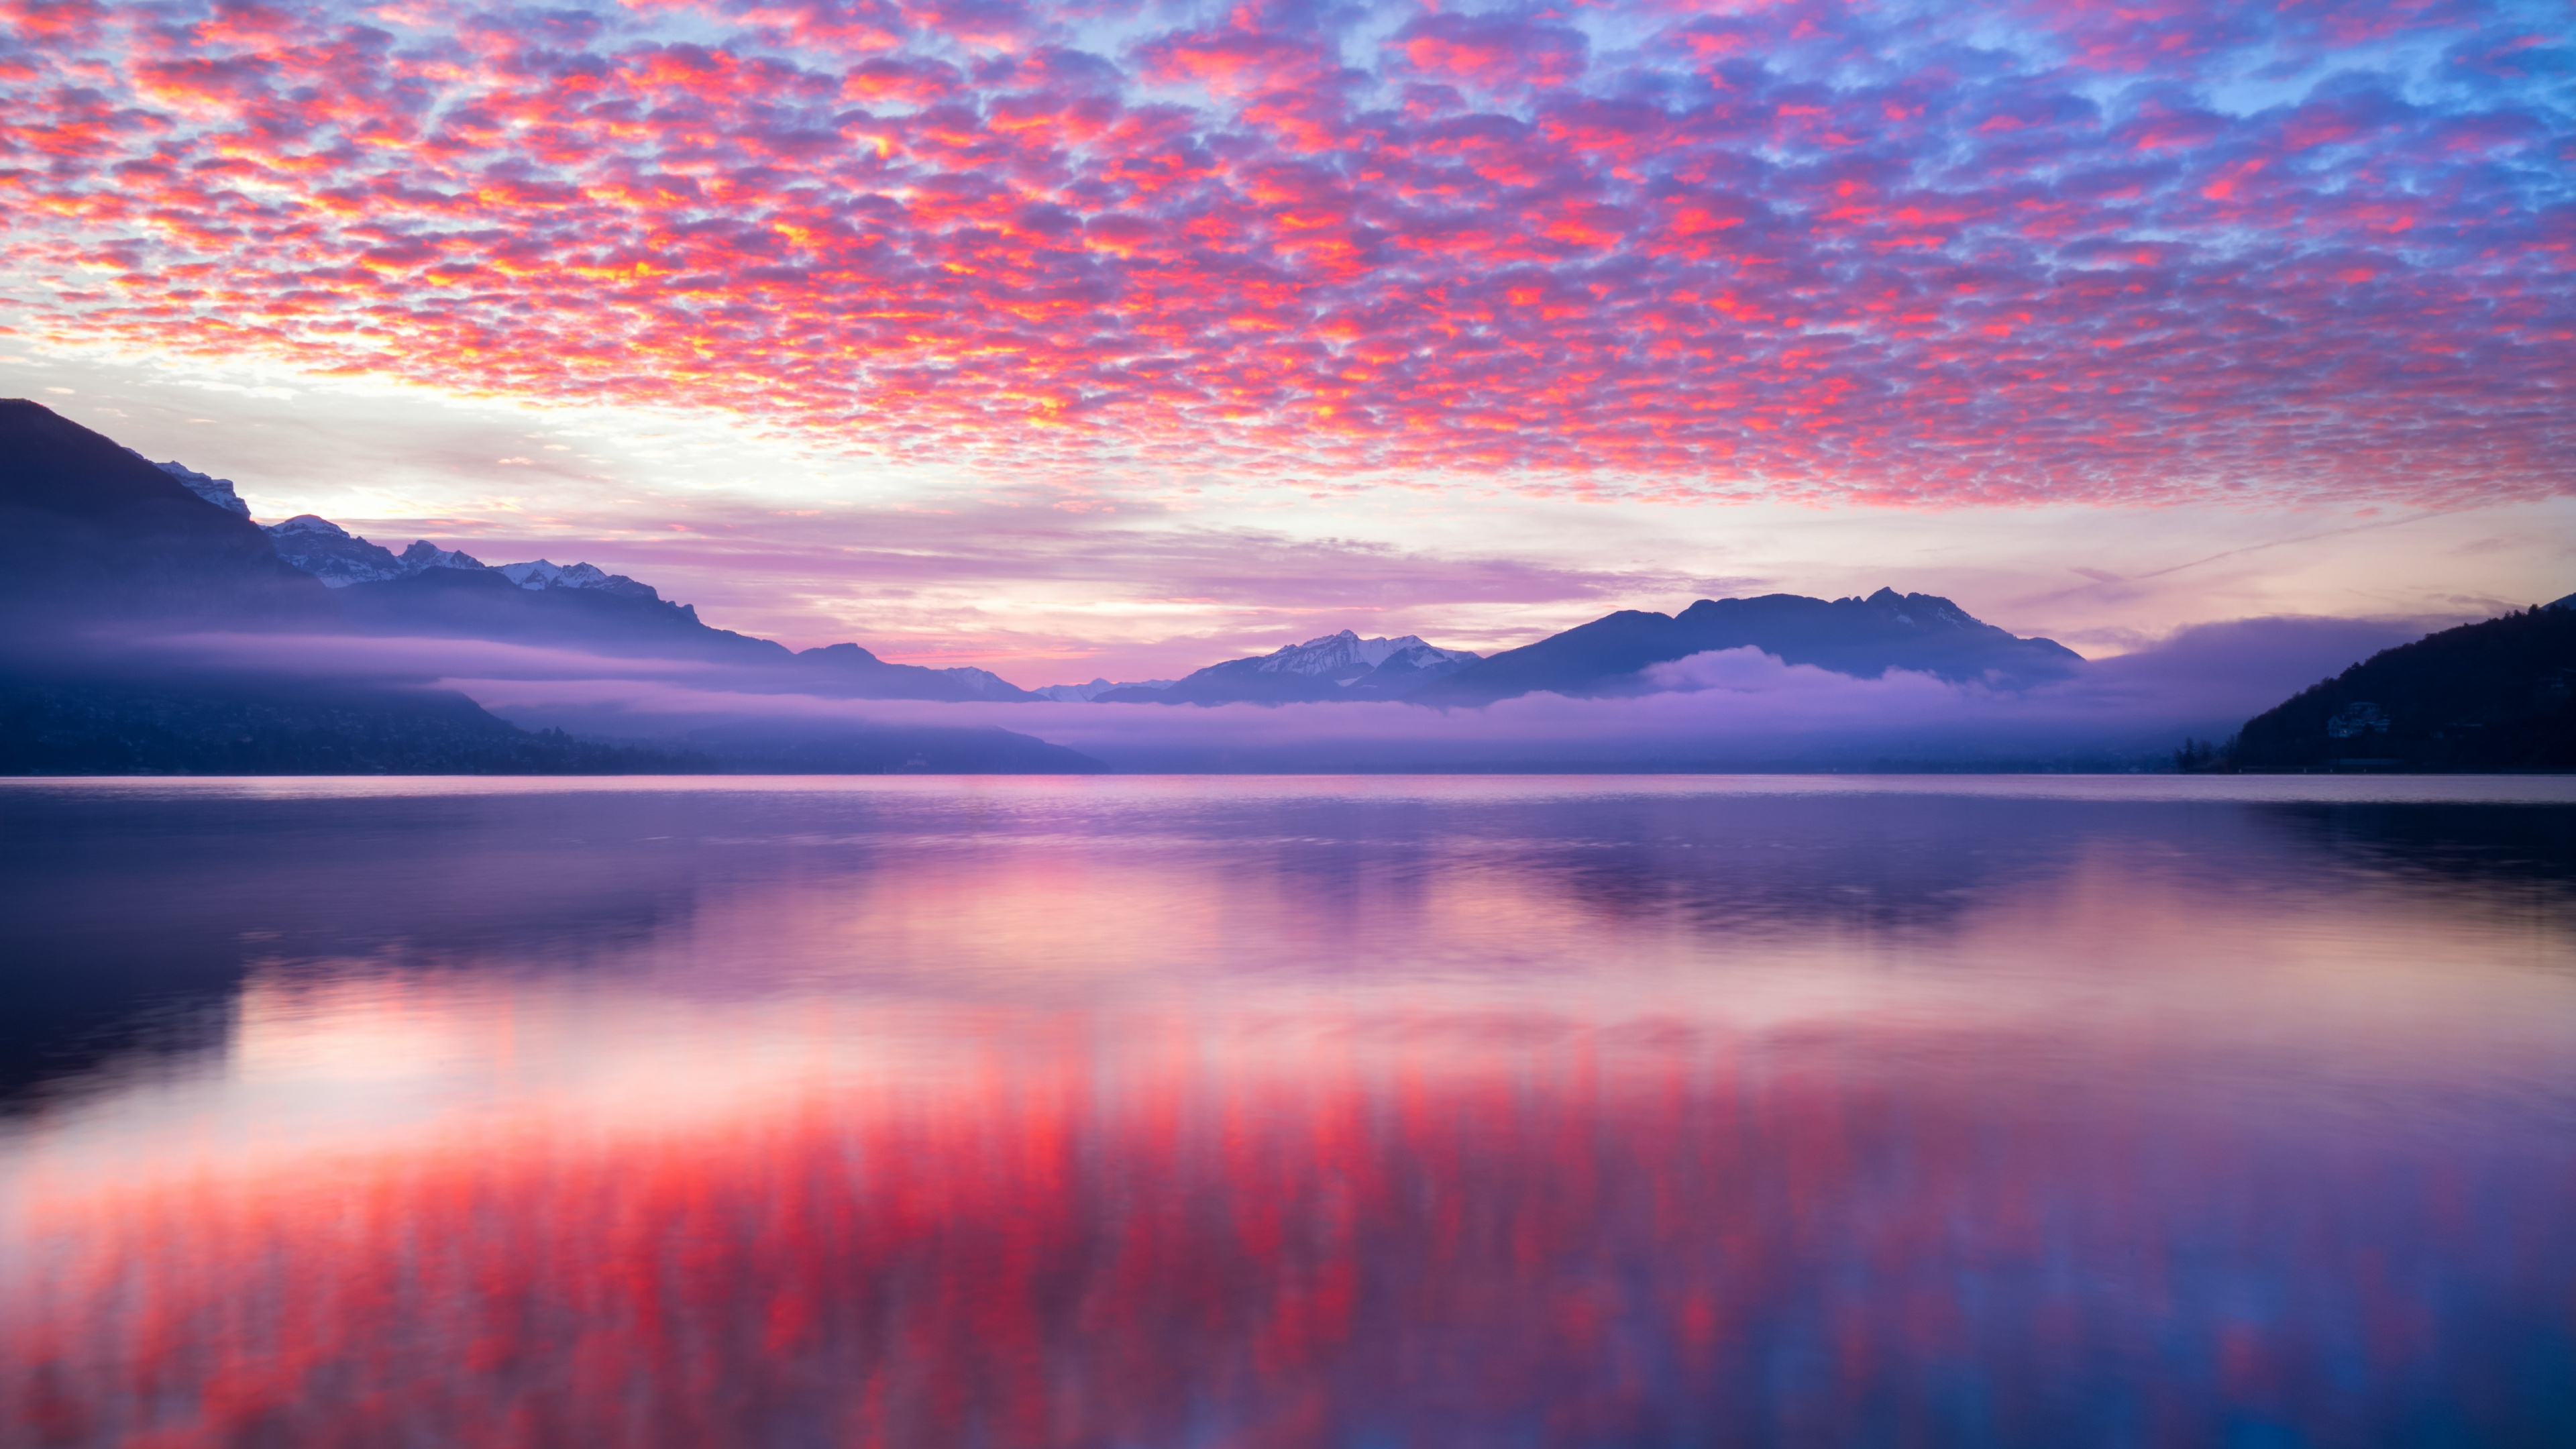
point(1933, 253)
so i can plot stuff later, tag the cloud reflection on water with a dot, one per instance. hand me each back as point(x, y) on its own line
point(1050, 1115)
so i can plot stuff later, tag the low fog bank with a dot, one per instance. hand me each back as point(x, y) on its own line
point(1731, 709)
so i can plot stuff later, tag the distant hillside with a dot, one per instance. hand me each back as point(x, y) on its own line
point(433, 592)
point(1855, 636)
point(2500, 695)
point(101, 550)
point(255, 727)
point(92, 536)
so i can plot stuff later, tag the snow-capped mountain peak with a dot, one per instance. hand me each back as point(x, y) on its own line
point(331, 553)
point(536, 574)
point(426, 555)
point(217, 491)
point(307, 525)
point(542, 574)
point(1335, 654)
point(1919, 609)
point(1333, 666)
point(340, 558)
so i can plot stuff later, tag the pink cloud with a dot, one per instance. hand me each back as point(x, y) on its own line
point(1814, 250)
point(1491, 52)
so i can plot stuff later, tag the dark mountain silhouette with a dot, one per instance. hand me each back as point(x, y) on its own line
point(336, 556)
point(1340, 666)
point(101, 550)
point(217, 491)
point(245, 725)
point(1860, 637)
point(480, 603)
point(429, 592)
point(92, 535)
point(2498, 695)
point(850, 672)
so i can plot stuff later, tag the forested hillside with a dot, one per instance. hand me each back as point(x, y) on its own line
point(2498, 695)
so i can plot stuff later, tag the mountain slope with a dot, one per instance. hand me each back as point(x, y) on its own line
point(101, 549)
point(217, 491)
point(331, 553)
point(1855, 636)
point(427, 591)
point(454, 602)
point(2498, 695)
point(847, 671)
point(92, 535)
point(1339, 666)
point(480, 603)
point(246, 726)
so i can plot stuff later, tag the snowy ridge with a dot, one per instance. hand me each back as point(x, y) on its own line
point(1334, 666)
point(340, 558)
point(217, 491)
point(1347, 652)
point(1934, 610)
point(542, 574)
point(331, 553)
point(423, 555)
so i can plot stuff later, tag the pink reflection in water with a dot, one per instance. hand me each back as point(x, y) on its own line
point(1450, 1231)
point(1280, 1117)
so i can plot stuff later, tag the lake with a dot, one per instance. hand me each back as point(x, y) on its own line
point(1382, 1113)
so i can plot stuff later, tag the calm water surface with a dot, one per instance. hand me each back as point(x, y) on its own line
point(1125, 1114)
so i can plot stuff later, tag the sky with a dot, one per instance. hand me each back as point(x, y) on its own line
point(1104, 338)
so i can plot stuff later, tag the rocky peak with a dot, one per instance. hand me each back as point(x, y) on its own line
point(331, 553)
point(1347, 651)
point(1919, 609)
point(217, 491)
point(306, 525)
point(426, 555)
point(544, 574)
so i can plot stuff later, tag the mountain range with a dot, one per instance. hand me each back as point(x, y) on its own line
point(1860, 637)
point(103, 552)
point(1340, 666)
point(92, 534)
point(430, 591)
point(99, 544)
point(426, 589)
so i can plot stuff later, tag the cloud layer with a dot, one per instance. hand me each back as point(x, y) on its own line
point(1902, 253)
